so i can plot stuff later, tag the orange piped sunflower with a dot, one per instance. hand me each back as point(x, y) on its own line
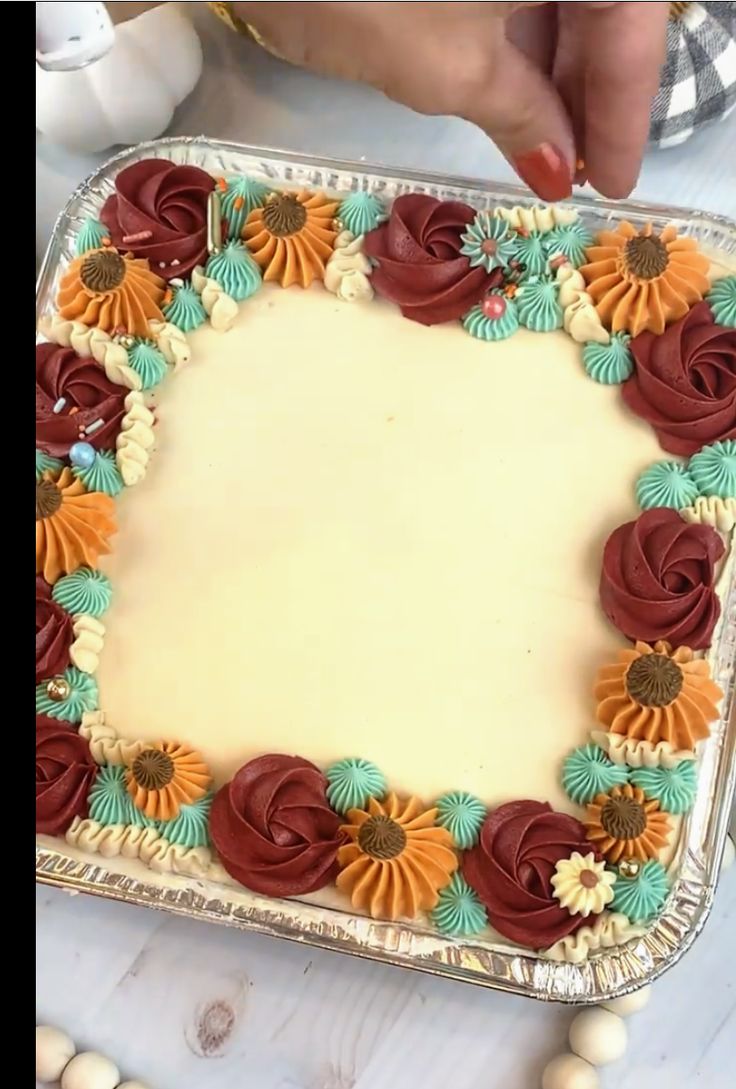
point(397, 861)
point(641, 280)
point(292, 236)
point(111, 291)
point(164, 777)
point(72, 525)
point(657, 694)
point(626, 824)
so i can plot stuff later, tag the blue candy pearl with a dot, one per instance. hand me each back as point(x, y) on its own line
point(83, 455)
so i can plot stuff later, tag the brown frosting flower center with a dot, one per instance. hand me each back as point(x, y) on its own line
point(48, 499)
point(646, 256)
point(153, 769)
point(623, 818)
point(382, 838)
point(654, 680)
point(103, 270)
point(284, 215)
point(589, 879)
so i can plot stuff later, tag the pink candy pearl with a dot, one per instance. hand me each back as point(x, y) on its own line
point(494, 307)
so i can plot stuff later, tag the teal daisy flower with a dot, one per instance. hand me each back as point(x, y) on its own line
point(587, 771)
point(641, 896)
point(609, 363)
point(102, 475)
point(722, 301)
point(185, 310)
point(86, 590)
point(674, 788)
point(714, 469)
point(666, 484)
point(190, 828)
point(67, 696)
point(351, 782)
point(361, 212)
point(459, 911)
point(45, 463)
point(462, 814)
point(488, 242)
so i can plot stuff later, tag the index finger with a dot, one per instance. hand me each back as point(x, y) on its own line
point(625, 45)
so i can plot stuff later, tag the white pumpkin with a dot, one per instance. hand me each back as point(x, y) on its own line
point(128, 95)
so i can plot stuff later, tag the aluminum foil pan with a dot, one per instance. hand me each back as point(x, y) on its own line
point(606, 974)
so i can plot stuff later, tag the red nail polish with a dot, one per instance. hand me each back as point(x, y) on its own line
point(546, 171)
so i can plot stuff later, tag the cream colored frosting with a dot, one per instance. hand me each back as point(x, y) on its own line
point(135, 440)
point(713, 511)
point(145, 844)
point(96, 343)
point(89, 639)
point(580, 317)
point(538, 218)
point(608, 930)
point(172, 342)
point(105, 743)
point(332, 528)
point(640, 754)
point(348, 270)
point(221, 308)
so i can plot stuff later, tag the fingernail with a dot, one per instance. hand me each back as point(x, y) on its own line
point(581, 172)
point(546, 171)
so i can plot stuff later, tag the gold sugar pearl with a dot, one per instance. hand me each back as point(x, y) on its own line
point(629, 867)
point(58, 689)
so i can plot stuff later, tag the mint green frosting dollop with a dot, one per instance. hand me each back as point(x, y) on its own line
point(147, 362)
point(103, 474)
point(462, 814)
point(109, 800)
point(190, 828)
point(531, 250)
point(482, 327)
point(609, 363)
point(235, 271)
point(674, 788)
point(714, 469)
point(640, 898)
point(569, 239)
point(587, 771)
point(91, 236)
point(538, 305)
point(241, 196)
point(722, 301)
point(87, 591)
point(459, 911)
point(666, 484)
point(361, 212)
point(45, 463)
point(488, 242)
point(82, 697)
point(351, 782)
point(185, 310)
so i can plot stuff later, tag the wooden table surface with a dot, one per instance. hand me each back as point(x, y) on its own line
point(186, 1006)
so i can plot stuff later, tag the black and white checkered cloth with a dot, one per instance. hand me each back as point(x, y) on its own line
point(699, 78)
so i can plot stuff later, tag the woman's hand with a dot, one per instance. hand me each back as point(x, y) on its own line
point(551, 84)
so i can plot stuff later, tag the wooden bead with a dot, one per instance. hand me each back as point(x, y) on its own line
point(598, 1036)
point(89, 1070)
point(54, 1049)
point(630, 1003)
point(569, 1072)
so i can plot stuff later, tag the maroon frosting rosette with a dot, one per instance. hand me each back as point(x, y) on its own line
point(512, 866)
point(66, 381)
point(159, 211)
point(420, 266)
point(658, 580)
point(65, 771)
point(273, 829)
point(684, 382)
point(54, 633)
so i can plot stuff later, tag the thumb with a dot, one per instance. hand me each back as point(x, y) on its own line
point(524, 115)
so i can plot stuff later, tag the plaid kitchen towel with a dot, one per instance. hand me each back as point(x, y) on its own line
point(698, 82)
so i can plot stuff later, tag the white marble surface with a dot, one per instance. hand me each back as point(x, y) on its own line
point(186, 1006)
